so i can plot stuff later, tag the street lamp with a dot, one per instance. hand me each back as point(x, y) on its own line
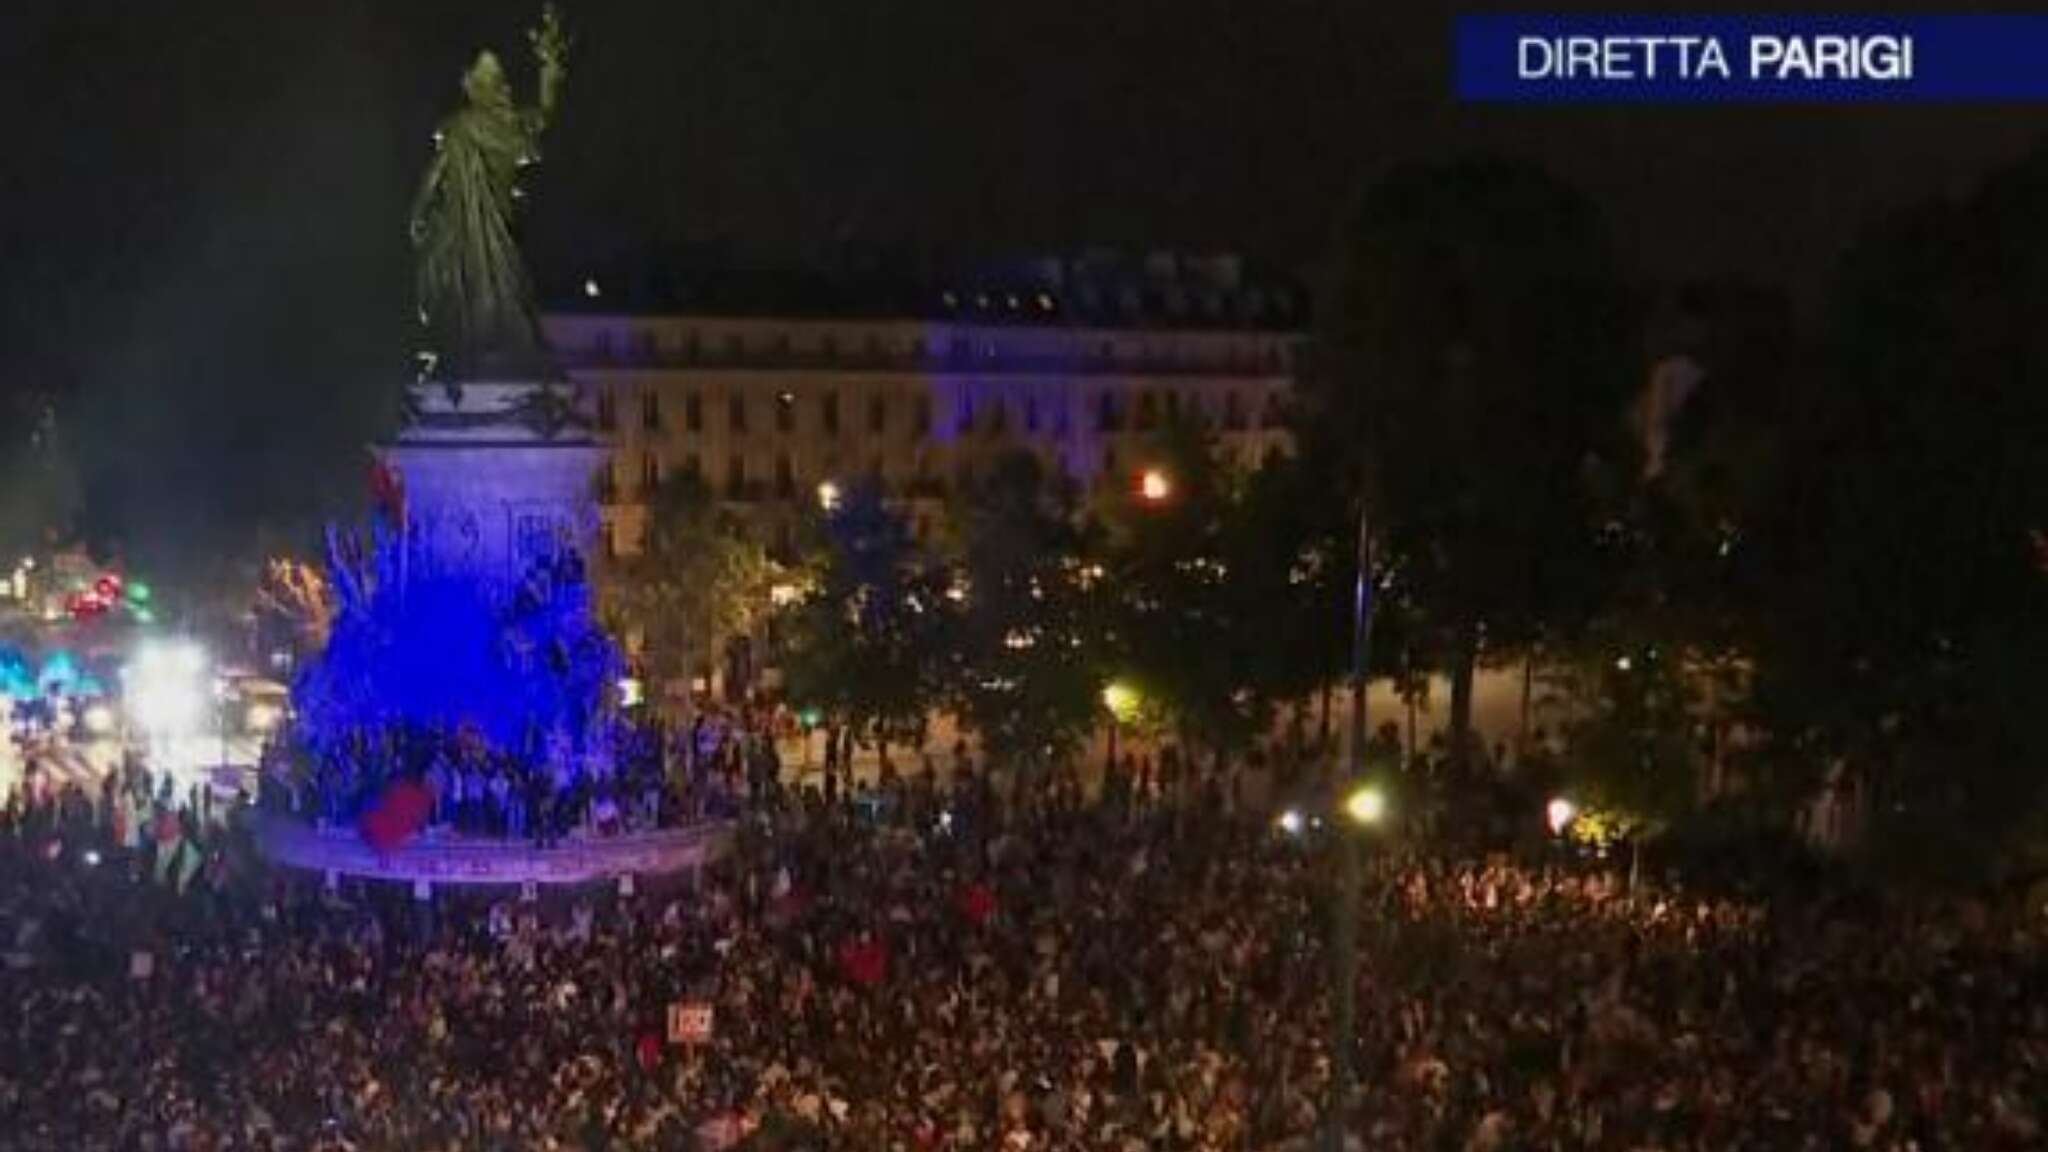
point(1122, 702)
point(1154, 485)
point(1366, 806)
point(1344, 910)
point(828, 495)
point(1559, 814)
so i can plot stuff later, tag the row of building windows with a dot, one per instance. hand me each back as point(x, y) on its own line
point(644, 346)
point(784, 484)
point(1113, 413)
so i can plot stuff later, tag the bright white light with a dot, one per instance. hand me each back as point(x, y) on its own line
point(1154, 485)
point(91, 858)
point(98, 719)
point(1559, 813)
point(946, 820)
point(630, 693)
point(1290, 822)
point(262, 717)
point(828, 495)
point(1366, 805)
point(167, 688)
point(1623, 663)
point(590, 289)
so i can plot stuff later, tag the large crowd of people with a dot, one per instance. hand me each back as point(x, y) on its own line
point(959, 967)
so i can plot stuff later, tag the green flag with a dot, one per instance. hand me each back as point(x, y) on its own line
point(189, 860)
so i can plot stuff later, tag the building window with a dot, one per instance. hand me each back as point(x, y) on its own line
point(650, 474)
point(1148, 411)
point(643, 344)
point(878, 415)
point(693, 467)
point(999, 419)
point(607, 411)
point(785, 412)
point(963, 418)
point(1031, 414)
point(1233, 412)
point(736, 478)
point(650, 410)
point(1109, 461)
point(736, 412)
point(601, 345)
point(875, 470)
point(1109, 415)
point(608, 482)
point(963, 475)
point(611, 547)
point(693, 412)
point(921, 422)
point(734, 346)
point(1172, 406)
point(1271, 416)
point(829, 345)
point(785, 477)
point(829, 405)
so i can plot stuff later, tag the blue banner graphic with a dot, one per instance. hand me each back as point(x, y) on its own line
point(1751, 60)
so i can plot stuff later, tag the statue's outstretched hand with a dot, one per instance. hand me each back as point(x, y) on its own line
point(550, 42)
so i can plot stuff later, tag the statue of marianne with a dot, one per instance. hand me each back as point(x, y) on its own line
point(474, 296)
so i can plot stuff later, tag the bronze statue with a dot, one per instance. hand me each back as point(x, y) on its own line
point(475, 299)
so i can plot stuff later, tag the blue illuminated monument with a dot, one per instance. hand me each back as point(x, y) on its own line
point(465, 603)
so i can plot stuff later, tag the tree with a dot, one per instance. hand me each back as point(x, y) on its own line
point(1182, 626)
point(698, 581)
point(1478, 348)
point(1029, 663)
point(866, 645)
point(1907, 636)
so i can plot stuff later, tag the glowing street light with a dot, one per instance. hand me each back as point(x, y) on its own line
point(828, 495)
point(1559, 814)
point(1121, 699)
point(1366, 805)
point(1154, 485)
point(261, 718)
point(1290, 822)
point(167, 688)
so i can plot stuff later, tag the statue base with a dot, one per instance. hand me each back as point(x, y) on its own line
point(497, 475)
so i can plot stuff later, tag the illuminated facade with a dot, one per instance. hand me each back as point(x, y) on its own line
point(766, 408)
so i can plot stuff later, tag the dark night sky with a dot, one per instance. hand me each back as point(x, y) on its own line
point(201, 202)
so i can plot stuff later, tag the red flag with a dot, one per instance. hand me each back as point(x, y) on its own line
point(647, 1049)
point(864, 961)
point(977, 902)
point(399, 815)
point(387, 489)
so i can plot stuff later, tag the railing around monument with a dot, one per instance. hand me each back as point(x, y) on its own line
point(463, 860)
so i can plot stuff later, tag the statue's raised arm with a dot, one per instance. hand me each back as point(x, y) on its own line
point(551, 53)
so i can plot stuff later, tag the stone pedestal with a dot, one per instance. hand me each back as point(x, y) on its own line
point(497, 475)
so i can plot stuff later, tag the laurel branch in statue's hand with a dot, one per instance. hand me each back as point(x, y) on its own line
point(550, 42)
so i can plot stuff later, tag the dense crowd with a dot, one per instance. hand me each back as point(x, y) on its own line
point(958, 968)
